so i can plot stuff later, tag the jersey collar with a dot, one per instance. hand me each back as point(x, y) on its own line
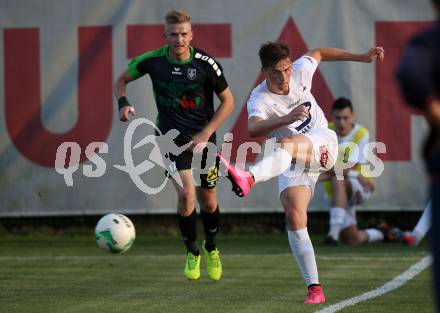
point(180, 62)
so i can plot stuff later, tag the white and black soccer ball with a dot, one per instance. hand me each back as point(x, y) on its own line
point(115, 233)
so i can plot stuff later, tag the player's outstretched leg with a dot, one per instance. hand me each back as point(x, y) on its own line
point(242, 181)
point(270, 166)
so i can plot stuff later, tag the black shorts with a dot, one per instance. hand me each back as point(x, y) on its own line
point(184, 161)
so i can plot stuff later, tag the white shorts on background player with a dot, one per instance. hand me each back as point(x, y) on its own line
point(359, 195)
point(266, 105)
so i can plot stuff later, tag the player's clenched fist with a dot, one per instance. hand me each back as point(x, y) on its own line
point(124, 113)
point(301, 112)
point(375, 54)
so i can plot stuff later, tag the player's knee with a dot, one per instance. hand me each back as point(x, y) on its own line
point(185, 211)
point(209, 205)
point(352, 240)
point(187, 197)
point(285, 141)
point(296, 219)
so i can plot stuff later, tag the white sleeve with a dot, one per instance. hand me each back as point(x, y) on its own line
point(304, 68)
point(256, 107)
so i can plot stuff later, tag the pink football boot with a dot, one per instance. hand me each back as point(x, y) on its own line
point(315, 295)
point(242, 181)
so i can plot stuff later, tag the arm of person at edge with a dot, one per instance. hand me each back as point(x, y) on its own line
point(120, 90)
point(260, 127)
point(223, 111)
point(432, 111)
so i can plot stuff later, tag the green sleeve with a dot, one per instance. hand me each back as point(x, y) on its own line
point(139, 65)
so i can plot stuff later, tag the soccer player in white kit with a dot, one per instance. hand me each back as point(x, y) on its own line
point(353, 188)
point(282, 107)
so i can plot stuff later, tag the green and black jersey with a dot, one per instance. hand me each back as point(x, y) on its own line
point(184, 91)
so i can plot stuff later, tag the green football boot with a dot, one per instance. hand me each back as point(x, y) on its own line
point(192, 266)
point(213, 263)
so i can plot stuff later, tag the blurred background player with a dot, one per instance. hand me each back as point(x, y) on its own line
point(413, 238)
point(184, 80)
point(354, 188)
point(419, 78)
point(283, 107)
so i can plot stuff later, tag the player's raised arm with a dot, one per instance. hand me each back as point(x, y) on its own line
point(120, 91)
point(336, 54)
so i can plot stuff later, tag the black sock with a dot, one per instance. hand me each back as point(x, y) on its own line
point(311, 285)
point(188, 228)
point(211, 226)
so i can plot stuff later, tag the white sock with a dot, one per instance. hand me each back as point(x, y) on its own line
point(271, 166)
point(417, 236)
point(374, 235)
point(337, 217)
point(302, 249)
point(423, 225)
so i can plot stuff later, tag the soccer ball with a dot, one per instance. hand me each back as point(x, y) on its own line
point(115, 233)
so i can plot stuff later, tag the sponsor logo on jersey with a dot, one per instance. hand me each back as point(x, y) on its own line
point(293, 104)
point(191, 73)
point(183, 95)
point(210, 61)
point(176, 71)
point(254, 110)
point(190, 103)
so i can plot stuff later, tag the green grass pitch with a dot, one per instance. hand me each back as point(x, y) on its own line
point(71, 274)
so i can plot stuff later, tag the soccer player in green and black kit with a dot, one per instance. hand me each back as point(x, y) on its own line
point(184, 82)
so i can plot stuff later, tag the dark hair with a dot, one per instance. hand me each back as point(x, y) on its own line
point(342, 103)
point(272, 52)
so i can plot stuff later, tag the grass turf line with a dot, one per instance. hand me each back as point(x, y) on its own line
point(70, 274)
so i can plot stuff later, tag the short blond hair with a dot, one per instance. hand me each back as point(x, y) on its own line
point(177, 17)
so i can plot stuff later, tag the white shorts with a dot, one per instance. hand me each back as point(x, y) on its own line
point(325, 152)
point(358, 193)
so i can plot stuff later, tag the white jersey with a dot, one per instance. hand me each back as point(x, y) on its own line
point(267, 105)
